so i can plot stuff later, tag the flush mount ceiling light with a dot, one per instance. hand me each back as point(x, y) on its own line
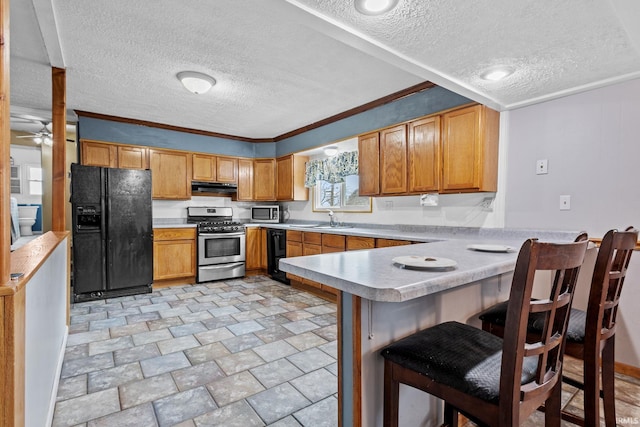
point(331, 151)
point(497, 73)
point(195, 82)
point(375, 7)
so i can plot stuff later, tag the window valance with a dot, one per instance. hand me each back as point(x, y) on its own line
point(332, 169)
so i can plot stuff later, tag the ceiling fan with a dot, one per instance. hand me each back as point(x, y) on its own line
point(43, 136)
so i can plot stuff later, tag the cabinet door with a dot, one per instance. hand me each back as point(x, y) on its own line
point(264, 262)
point(369, 164)
point(173, 259)
point(393, 160)
point(294, 249)
point(290, 178)
point(264, 179)
point(99, 154)
point(133, 157)
point(311, 249)
point(227, 170)
point(470, 149)
point(174, 253)
point(171, 174)
point(424, 155)
point(284, 180)
point(253, 248)
point(245, 180)
point(204, 167)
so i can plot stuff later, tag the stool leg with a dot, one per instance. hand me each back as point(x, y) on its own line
point(391, 396)
point(591, 378)
point(608, 382)
point(450, 415)
point(553, 406)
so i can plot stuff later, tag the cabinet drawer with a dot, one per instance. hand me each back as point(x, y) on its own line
point(312, 238)
point(357, 242)
point(173, 233)
point(294, 236)
point(383, 243)
point(333, 241)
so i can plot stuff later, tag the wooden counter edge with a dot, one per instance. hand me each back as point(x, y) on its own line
point(30, 257)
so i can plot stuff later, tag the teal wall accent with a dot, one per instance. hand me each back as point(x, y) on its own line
point(407, 108)
point(128, 133)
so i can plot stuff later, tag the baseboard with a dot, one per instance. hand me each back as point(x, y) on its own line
point(631, 371)
point(56, 382)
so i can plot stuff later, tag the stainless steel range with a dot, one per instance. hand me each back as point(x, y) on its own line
point(221, 243)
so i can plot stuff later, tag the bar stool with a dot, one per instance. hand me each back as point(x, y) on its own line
point(591, 333)
point(490, 380)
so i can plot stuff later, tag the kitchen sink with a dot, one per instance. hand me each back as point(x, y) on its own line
point(328, 227)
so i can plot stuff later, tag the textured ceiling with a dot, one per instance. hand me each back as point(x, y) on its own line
point(281, 65)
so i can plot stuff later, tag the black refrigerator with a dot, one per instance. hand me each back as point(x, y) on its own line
point(112, 232)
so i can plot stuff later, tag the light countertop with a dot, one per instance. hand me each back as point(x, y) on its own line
point(373, 275)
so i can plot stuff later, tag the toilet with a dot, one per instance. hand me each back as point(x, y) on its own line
point(26, 219)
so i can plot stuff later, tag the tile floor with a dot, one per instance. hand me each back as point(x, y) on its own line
point(247, 352)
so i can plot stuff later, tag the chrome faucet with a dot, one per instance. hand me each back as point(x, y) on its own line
point(332, 219)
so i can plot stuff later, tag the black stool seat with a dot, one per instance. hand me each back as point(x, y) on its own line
point(457, 355)
point(497, 314)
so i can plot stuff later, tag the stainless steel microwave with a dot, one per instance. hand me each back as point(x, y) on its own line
point(265, 213)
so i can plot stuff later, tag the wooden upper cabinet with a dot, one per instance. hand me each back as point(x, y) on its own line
point(130, 157)
point(171, 174)
point(470, 149)
point(393, 160)
point(369, 164)
point(245, 180)
point(264, 179)
point(204, 167)
point(227, 170)
point(290, 178)
point(424, 155)
point(99, 154)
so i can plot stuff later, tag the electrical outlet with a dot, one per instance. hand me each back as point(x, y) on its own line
point(542, 167)
point(565, 203)
point(388, 204)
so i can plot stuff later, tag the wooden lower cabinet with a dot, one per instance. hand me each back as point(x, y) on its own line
point(256, 250)
point(385, 243)
point(264, 261)
point(174, 254)
point(354, 243)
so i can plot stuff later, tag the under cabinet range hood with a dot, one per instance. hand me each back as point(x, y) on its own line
point(212, 187)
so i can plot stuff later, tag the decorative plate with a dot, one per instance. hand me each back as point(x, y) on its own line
point(490, 248)
point(416, 261)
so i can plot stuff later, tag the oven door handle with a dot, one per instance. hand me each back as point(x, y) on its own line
point(221, 266)
point(214, 235)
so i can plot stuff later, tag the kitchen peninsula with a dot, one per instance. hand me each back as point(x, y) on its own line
point(380, 302)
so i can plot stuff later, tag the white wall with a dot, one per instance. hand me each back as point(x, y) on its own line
point(45, 336)
point(592, 143)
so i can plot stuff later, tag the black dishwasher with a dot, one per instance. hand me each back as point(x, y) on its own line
point(276, 249)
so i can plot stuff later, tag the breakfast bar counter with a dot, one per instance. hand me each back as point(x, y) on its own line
point(381, 301)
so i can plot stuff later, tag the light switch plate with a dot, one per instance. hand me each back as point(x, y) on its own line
point(542, 167)
point(565, 203)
